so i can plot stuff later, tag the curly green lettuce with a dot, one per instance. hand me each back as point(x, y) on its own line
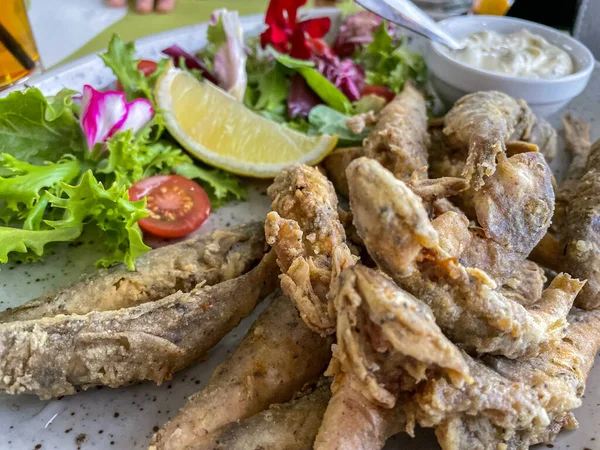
point(87, 203)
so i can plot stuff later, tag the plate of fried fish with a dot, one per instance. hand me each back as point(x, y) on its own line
point(432, 282)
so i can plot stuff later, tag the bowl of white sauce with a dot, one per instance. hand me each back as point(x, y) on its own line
point(545, 67)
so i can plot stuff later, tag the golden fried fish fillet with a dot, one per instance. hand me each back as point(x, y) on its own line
point(378, 212)
point(514, 210)
point(335, 165)
point(578, 145)
point(53, 356)
point(278, 355)
point(305, 231)
point(394, 226)
point(526, 283)
point(399, 139)
point(483, 122)
point(210, 259)
point(543, 136)
point(580, 236)
point(288, 426)
point(556, 378)
point(353, 422)
point(507, 403)
point(387, 343)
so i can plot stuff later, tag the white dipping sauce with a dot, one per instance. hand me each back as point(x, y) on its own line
point(521, 54)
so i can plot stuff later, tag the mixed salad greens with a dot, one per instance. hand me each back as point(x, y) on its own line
point(72, 161)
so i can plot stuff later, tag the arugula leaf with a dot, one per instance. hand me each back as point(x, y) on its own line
point(27, 180)
point(390, 63)
point(34, 131)
point(120, 58)
point(324, 120)
point(220, 186)
point(324, 88)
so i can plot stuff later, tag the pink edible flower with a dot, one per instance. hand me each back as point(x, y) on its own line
point(105, 113)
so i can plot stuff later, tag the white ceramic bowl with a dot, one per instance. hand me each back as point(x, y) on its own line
point(453, 79)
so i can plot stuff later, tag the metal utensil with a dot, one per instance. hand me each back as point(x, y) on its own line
point(408, 15)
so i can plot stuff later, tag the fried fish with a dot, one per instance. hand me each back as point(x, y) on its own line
point(483, 122)
point(399, 139)
point(554, 380)
point(387, 343)
point(305, 231)
point(288, 426)
point(394, 226)
point(54, 356)
point(278, 355)
point(210, 259)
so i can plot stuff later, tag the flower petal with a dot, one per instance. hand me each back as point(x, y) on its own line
point(230, 59)
point(101, 112)
point(316, 28)
point(139, 113)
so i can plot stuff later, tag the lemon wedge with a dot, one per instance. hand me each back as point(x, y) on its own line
point(220, 131)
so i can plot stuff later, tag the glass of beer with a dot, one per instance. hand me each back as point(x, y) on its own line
point(19, 57)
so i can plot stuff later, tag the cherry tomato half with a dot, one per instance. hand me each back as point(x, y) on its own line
point(146, 66)
point(177, 205)
point(381, 91)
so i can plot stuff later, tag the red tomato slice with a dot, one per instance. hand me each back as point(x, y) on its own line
point(146, 66)
point(381, 91)
point(177, 205)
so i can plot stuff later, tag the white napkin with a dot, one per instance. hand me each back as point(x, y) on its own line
point(61, 27)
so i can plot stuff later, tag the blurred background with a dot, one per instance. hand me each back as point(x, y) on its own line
point(41, 34)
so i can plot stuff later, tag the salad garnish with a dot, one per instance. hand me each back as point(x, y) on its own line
point(68, 161)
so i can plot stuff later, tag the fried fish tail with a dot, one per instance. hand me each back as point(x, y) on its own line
point(351, 421)
point(210, 259)
point(54, 356)
point(276, 358)
point(288, 426)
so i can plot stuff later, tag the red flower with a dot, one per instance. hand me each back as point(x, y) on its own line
point(287, 35)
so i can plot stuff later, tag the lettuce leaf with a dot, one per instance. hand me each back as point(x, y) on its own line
point(324, 120)
point(84, 204)
point(108, 209)
point(389, 62)
point(222, 187)
point(120, 58)
point(130, 159)
point(27, 180)
point(34, 130)
point(324, 88)
point(19, 240)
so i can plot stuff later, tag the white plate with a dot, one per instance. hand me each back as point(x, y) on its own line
point(125, 418)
